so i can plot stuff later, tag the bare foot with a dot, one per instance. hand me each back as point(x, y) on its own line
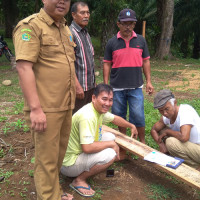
point(67, 196)
point(123, 155)
point(163, 148)
point(84, 191)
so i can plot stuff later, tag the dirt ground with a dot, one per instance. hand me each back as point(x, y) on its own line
point(134, 179)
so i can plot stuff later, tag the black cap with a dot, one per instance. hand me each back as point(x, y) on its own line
point(127, 15)
point(162, 97)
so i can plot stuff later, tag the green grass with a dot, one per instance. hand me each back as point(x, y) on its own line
point(5, 174)
point(10, 92)
point(159, 192)
point(13, 96)
point(2, 118)
point(13, 93)
point(2, 153)
point(18, 125)
point(151, 116)
point(98, 194)
point(97, 45)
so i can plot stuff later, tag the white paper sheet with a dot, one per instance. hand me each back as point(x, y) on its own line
point(161, 158)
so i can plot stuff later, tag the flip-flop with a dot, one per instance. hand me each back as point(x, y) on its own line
point(86, 188)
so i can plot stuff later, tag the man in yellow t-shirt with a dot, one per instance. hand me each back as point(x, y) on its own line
point(90, 152)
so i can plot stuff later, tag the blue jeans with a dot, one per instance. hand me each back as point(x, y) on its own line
point(135, 100)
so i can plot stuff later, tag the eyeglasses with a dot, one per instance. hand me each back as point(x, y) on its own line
point(127, 25)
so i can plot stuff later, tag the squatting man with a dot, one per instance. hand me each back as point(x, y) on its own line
point(178, 130)
point(90, 151)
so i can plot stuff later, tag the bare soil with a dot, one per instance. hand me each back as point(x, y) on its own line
point(133, 179)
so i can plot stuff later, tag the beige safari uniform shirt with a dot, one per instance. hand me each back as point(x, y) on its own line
point(51, 50)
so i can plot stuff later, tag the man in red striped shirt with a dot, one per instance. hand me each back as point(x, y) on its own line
point(84, 52)
point(126, 56)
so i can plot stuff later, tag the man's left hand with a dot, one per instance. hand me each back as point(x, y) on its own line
point(162, 136)
point(149, 88)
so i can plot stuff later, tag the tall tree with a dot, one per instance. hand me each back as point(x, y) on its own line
point(188, 27)
point(37, 5)
point(10, 12)
point(145, 11)
point(165, 9)
point(104, 18)
point(26, 8)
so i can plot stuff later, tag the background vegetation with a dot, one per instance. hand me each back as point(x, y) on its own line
point(16, 150)
point(185, 27)
point(185, 43)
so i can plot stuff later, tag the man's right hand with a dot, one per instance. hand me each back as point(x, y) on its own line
point(38, 120)
point(162, 147)
point(79, 92)
point(117, 150)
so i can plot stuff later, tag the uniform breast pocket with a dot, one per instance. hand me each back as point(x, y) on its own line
point(71, 48)
point(49, 46)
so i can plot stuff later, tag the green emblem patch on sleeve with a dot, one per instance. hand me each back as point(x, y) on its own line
point(26, 37)
point(26, 29)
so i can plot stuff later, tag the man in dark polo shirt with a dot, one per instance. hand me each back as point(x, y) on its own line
point(84, 52)
point(126, 56)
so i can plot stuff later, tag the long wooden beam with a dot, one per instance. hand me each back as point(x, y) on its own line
point(183, 172)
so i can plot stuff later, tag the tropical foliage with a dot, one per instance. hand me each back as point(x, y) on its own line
point(185, 41)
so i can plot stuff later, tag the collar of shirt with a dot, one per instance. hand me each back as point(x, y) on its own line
point(43, 15)
point(95, 111)
point(78, 28)
point(133, 35)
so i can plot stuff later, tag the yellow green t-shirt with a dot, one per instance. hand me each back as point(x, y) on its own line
point(86, 128)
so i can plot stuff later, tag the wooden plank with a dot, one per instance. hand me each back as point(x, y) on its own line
point(185, 173)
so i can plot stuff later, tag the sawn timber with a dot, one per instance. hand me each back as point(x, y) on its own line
point(184, 173)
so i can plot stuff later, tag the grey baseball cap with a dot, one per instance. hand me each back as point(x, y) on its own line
point(162, 97)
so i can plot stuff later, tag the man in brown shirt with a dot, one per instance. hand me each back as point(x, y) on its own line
point(45, 63)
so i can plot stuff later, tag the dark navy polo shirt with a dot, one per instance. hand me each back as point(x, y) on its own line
point(127, 60)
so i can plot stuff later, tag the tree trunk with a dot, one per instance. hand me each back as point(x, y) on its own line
point(10, 12)
point(109, 30)
point(166, 13)
point(196, 48)
point(184, 46)
point(37, 6)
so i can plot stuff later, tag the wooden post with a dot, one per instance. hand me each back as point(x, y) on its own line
point(143, 28)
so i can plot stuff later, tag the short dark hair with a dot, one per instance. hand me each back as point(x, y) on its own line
point(102, 88)
point(75, 5)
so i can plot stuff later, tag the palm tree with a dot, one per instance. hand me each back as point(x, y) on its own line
point(104, 18)
point(10, 13)
point(188, 26)
point(145, 11)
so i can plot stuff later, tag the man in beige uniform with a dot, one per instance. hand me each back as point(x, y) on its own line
point(45, 63)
